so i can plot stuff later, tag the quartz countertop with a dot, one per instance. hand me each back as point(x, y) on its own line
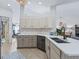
point(70, 49)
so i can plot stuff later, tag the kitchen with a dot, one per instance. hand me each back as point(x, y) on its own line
point(36, 36)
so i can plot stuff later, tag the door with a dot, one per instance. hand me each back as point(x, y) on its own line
point(41, 43)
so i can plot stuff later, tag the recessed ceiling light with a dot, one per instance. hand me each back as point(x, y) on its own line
point(9, 5)
point(29, 2)
point(39, 3)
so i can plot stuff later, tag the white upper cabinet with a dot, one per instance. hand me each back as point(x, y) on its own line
point(36, 22)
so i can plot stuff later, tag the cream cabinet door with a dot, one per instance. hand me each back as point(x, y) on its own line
point(30, 41)
point(36, 22)
point(25, 42)
point(34, 41)
point(47, 48)
point(20, 42)
point(49, 23)
point(26, 23)
point(22, 23)
point(46, 23)
point(53, 53)
point(43, 23)
point(29, 23)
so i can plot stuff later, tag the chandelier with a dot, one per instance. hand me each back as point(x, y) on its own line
point(22, 2)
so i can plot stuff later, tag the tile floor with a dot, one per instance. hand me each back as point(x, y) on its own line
point(33, 53)
point(9, 51)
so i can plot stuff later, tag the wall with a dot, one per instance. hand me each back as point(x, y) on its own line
point(69, 13)
point(7, 13)
point(16, 15)
point(36, 10)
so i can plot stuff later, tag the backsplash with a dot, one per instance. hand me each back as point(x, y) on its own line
point(35, 31)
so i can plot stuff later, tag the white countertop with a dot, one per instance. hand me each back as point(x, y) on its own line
point(70, 49)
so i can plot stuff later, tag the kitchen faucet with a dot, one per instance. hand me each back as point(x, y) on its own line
point(63, 32)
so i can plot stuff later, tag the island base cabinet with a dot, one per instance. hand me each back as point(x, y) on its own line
point(65, 56)
point(47, 48)
point(54, 52)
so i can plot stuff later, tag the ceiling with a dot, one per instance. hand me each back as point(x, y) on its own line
point(4, 3)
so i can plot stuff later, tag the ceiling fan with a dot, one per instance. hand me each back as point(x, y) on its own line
point(22, 2)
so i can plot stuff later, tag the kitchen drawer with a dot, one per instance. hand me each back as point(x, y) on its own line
point(55, 48)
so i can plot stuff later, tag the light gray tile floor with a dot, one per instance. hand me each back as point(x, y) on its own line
point(14, 55)
point(10, 51)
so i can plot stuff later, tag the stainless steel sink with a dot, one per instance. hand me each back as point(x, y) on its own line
point(59, 40)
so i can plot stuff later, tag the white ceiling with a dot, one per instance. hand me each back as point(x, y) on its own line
point(4, 3)
point(52, 2)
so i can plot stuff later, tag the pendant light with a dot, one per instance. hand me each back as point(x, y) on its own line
point(22, 2)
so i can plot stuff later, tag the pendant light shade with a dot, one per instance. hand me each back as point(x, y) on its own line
point(22, 2)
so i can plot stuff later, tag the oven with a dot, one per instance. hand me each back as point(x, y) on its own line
point(77, 30)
